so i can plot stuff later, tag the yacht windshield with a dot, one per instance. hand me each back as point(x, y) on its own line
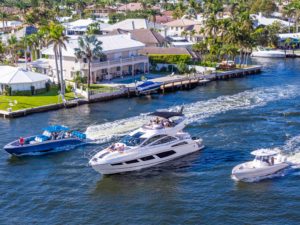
point(133, 140)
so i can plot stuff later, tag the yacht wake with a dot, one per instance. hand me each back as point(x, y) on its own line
point(198, 110)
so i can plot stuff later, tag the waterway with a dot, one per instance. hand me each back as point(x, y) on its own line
point(233, 117)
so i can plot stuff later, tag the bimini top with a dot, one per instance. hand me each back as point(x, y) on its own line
point(56, 128)
point(265, 152)
point(167, 114)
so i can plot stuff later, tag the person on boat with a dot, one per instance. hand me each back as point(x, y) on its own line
point(22, 141)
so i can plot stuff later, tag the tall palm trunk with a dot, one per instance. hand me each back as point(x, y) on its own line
point(56, 65)
point(89, 78)
point(62, 86)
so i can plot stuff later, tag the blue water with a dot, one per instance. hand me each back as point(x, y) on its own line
point(233, 117)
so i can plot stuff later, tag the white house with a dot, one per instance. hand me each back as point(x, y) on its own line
point(133, 24)
point(79, 27)
point(177, 27)
point(21, 80)
point(261, 20)
point(122, 58)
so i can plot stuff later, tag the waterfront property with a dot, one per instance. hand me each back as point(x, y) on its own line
point(121, 58)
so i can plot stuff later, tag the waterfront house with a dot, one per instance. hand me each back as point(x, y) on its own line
point(121, 58)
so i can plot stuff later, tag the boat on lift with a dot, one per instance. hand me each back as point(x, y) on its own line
point(148, 87)
point(265, 163)
point(159, 141)
point(53, 138)
point(268, 53)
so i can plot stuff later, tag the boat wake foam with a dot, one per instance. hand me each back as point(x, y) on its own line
point(198, 110)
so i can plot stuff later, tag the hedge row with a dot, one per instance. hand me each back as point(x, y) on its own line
point(169, 59)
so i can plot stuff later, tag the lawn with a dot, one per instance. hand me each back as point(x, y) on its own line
point(25, 102)
point(102, 88)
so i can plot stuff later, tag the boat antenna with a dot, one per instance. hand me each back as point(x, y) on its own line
point(181, 109)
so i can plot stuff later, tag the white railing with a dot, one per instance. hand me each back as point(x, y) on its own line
point(121, 61)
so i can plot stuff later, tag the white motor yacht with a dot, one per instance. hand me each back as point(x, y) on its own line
point(268, 53)
point(266, 162)
point(159, 141)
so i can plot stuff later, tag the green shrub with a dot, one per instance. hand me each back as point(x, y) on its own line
point(168, 59)
point(182, 68)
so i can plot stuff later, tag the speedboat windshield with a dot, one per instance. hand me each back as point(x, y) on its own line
point(133, 140)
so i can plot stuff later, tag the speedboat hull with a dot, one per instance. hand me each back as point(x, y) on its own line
point(14, 148)
point(245, 172)
point(131, 162)
point(148, 88)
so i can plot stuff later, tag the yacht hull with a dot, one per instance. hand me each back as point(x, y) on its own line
point(113, 168)
point(14, 148)
point(268, 54)
point(241, 172)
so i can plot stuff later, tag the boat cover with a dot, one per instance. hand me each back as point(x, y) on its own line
point(56, 128)
point(79, 134)
point(166, 114)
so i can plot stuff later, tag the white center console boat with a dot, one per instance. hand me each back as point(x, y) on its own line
point(159, 141)
point(266, 162)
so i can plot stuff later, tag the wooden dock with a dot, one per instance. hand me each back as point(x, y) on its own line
point(170, 84)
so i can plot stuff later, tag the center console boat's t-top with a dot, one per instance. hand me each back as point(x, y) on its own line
point(161, 140)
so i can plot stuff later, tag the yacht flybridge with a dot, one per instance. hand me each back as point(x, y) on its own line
point(266, 162)
point(159, 141)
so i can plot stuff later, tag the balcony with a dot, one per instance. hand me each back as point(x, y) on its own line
point(116, 63)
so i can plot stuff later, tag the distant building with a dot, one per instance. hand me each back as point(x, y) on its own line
point(150, 38)
point(79, 27)
point(261, 20)
point(133, 24)
point(179, 26)
point(99, 12)
point(121, 58)
point(134, 6)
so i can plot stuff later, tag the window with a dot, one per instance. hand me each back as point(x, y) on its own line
point(179, 144)
point(132, 161)
point(166, 154)
point(153, 139)
point(165, 140)
point(133, 140)
point(117, 164)
point(150, 157)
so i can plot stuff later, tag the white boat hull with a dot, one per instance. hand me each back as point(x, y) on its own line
point(113, 167)
point(244, 172)
point(268, 54)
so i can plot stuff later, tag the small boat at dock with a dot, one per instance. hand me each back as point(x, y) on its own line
point(53, 138)
point(148, 87)
point(267, 162)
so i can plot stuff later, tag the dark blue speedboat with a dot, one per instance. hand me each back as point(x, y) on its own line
point(53, 138)
point(148, 87)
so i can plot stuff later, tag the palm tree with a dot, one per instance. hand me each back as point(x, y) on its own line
point(58, 39)
point(13, 47)
point(89, 48)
